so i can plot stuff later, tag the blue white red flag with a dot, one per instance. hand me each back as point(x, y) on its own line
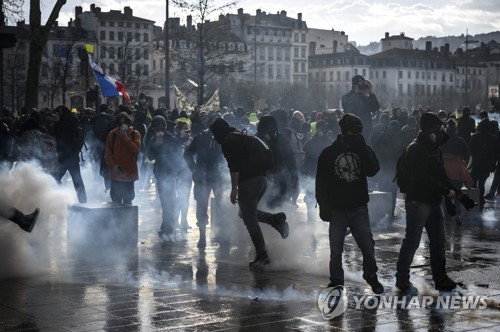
point(110, 87)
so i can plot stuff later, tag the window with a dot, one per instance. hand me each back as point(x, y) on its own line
point(278, 72)
point(103, 23)
point(129, 25)
point(145, 25)
point(347, 75)
point(154, 64)
point(434, 76)
point(111, 24)
point(303, 51)
point(129, 36)
point(287, 71)
point(270, 71)
point(262, 51)
point(120, 35)
point(44, 69)
point(384, 74)
point(417, 74)
point(303, 67)
point(262, 72)
point(443, 77)
point(400, 88)
point(376, 74)
point(400, 74)
point(111, 68)
point(103, 52)
point(137, 37)
point(287, 54)
point(303, 37)
point(146, 54)
point(278, 54)
point(409, 74)
point(363, 72)
point(137, 69)
point(331, 76)
point(120, 24)
point(111, 52)
point(451, 77)
point(146, 37)
point(295, 67)
point(295, 52)
point(111, 35)
point(270, 53)
point(103, 35)
point(137, 53)
point(137, 25)
point(296, 37)
point(408, 89)
point(146, 70)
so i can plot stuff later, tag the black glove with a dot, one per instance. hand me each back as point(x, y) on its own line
point(466, 201)
point(450, 207)
point(325, 213)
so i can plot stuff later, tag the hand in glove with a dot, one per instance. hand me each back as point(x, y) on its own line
point(325, 213)
point(450, 207)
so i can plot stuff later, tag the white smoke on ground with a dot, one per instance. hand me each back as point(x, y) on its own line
point(27, 187)
point(489, 219)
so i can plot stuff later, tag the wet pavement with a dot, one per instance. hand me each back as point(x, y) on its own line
point(167, 285)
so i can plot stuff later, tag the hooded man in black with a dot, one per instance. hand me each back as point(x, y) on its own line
point(342, 195)
point(248, 185)
point(427, 186)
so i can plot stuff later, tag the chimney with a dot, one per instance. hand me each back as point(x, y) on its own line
point(189, 21)
point(78, 11)
point(447, 48)
point(56, 24)
point(342, 33)
point(283, 13)
point(92, 8)
point(127, 11)
point(98, 10)
point(257, 13)
point(221, 17)
point(299, 16)
point(386, 35)
point(428, 46)
point(240, 11)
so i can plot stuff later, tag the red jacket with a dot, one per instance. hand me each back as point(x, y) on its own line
point(121, 154)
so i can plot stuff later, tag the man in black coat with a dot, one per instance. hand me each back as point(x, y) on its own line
point(204, 158)
point(342, 195)
point(426, 187)
point(362, 102)
point(248, 185)
point(66, 132)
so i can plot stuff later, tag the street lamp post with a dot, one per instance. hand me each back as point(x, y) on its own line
point(167, 60)
point(467, 42)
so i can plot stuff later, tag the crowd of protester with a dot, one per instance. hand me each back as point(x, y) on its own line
point(134, 147)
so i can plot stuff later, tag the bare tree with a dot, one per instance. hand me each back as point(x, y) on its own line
point(39, 38)
point(15, 77)
point(206, 45)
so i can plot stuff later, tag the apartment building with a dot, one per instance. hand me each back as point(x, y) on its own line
point(123, 44)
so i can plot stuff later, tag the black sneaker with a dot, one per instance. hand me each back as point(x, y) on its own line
point(280, 224)
point(259, 263)
point(333, 285)
point(376, 286)
point(446, 284)
point(406, 287)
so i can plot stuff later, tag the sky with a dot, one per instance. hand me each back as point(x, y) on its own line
point(364, 21)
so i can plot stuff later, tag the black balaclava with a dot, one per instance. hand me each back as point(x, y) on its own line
point(220, 128)
point(267, 128)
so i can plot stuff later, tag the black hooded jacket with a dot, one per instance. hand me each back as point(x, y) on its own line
point(428, 181)
point(342, 170)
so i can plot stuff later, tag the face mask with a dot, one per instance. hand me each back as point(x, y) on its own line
point(270, 136)
point(433, 137)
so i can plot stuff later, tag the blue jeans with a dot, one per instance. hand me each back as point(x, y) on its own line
point(418, 216)
point(166, 193)
point(358, 221)
point(122, 192)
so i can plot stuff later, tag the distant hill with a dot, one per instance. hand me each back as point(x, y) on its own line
point(454, 41)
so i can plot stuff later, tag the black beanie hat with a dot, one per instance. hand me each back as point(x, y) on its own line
point(352, 123)
point(356, 79)
point(219, 129)
point(428, 120)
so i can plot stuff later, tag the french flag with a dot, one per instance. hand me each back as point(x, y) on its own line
point(110, 87)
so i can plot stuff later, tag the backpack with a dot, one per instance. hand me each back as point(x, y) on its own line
point(257, 153)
